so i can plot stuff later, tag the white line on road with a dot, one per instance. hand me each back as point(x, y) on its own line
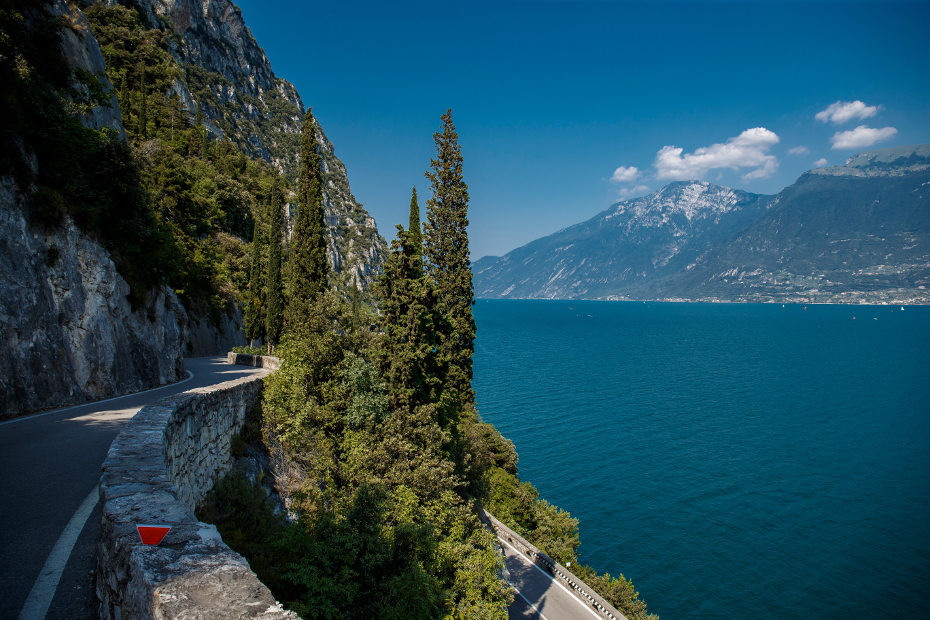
point(190, 376)
point(538, 613)
point(43, 591)
point(551, 578)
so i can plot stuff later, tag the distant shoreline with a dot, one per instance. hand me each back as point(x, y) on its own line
point(792, 302)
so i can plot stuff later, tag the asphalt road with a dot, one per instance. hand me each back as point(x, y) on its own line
point(538, 595)
point(50, 464)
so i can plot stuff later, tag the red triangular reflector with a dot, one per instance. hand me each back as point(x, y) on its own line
point(152, 534)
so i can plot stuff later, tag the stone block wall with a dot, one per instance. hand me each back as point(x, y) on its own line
point(258, 361)
point(157, 470)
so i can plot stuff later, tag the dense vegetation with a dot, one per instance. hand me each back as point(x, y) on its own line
point(375, 443)
point(205, 192)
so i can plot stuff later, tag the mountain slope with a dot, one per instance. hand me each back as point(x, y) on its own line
point(859, 232)
point(227, 75)
point(853, 233)
point(617, 251)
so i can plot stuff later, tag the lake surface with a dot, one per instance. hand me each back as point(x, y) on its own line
point(733, 460)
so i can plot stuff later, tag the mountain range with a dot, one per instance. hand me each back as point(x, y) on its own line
point(856, 233)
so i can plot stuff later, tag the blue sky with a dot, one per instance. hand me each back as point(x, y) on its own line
point(556, 102)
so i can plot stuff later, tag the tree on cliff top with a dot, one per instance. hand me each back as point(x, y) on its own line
point(447, 257)
point(308, 266)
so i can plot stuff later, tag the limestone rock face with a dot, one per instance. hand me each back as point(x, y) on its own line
point(229, 77)
point(67, 331)
point(202, 338)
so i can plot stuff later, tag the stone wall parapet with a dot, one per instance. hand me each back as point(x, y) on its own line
point(258, 361)
point(157, 470)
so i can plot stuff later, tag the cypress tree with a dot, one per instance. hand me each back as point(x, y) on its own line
point(415, 236)
point(255, 303)
point(307, 261)
point(274, 293)
point(447, 259)
point(409, 356)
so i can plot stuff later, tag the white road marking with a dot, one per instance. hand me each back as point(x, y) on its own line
point(551, 578)
point(43, 591)
point(190, 376)
point(538, 613)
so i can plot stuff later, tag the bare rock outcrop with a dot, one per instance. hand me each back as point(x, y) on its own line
point(67, 330)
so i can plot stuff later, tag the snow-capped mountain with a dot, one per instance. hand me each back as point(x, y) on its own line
point(853, 233)
point(621, 248)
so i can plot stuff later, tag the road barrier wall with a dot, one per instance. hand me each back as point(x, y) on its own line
point(259, 361)
point(579, 588)
point(157, 470)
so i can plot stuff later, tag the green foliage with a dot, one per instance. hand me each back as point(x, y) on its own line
point(307, 263)
point(202, 193)
point(447, 258)
point(415, 241)
point(255, 301)
point(249, 350)
point(410, 322)
point(380, 505)
point(245, 518)
point(618, 591)
point(382, 452)
point(364, 391)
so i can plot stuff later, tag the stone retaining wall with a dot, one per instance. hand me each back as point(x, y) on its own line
point(258, 361)
point(157, 470)
point(583, 591)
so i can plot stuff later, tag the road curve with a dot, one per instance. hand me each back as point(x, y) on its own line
point(50, 464)
point(537, 595)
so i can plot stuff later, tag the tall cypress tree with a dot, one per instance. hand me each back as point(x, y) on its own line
point(307, 261)
point(447, 258)
point(415, 236)
point(274, 293)
point(255, 302)
point(409, 356)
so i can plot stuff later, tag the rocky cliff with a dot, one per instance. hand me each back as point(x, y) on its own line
point(67, 331)
point(227, 75)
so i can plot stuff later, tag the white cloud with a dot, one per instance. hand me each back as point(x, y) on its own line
point(844, 111)
point(799, 150)
point(639, 190)
point(747, 150)
point(820, 163)
point(625, 174)
point(861, 137)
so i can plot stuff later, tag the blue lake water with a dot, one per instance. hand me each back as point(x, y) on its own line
point(733, 460)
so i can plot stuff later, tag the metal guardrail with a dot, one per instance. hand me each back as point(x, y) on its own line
point(582, 591)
